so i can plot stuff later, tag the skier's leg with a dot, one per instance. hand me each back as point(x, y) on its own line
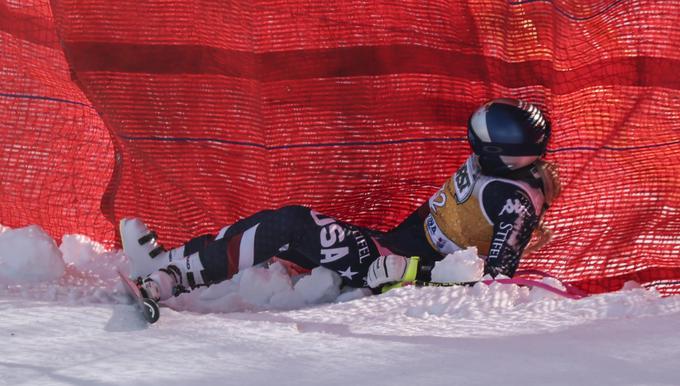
point(297, 258)
point(243, 224)
point(256, 239)
point(296, 233)
point(146, 255)
point(245, 243)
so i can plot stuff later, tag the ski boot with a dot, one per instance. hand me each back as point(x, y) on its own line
point(165, 272)
point(162, 284)
point(141, 247)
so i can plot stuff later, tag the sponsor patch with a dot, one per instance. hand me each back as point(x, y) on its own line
point(464, 181)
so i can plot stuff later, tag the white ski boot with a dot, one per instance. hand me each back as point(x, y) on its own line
point(165, 273)
point(162, 284)
point(142, 249)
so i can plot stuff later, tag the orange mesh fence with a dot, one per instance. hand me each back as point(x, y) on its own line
point(358, 109)
point(56, 155)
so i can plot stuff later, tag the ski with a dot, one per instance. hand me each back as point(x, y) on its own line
point(568, 293)
point(147, 307)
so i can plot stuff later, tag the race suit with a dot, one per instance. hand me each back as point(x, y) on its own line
point(495, 215)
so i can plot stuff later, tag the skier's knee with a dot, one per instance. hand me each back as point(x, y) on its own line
point(197, 244)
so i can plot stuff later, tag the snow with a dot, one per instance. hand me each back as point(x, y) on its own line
point(80, 250)
point(321, 286)
point(29, 255)
point(71, 324)
point(459, 267)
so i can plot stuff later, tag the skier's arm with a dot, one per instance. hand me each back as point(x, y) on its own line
point(514, 218)
point(415, 218)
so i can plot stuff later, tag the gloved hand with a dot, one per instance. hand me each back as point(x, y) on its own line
point(386, 269)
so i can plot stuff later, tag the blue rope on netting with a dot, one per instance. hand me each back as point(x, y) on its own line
point(383, 143)
point(44, 98)
point(567, 14)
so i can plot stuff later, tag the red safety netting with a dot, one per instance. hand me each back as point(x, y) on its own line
point(217, 110)
point(56, 154)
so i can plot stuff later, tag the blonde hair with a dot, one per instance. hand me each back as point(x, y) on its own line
point(551, 190)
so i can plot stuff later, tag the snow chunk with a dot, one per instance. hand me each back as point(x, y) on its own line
point(322, 285)
point(287, 300)
point(538, 293)
point(80, 250)
point(460, 266)
point(258, 285)
point(263, 288)
point(29, 255)
point(631, 285)
point(349, 293)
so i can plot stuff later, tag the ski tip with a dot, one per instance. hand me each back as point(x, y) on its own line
point(151, 310)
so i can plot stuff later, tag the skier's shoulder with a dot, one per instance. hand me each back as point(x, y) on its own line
point(505, 195)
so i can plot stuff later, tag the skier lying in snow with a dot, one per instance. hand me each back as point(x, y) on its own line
point(494, 202)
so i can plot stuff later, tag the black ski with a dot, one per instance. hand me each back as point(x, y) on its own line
point(146, 306)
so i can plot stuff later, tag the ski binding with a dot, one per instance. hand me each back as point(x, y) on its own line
point(147, 307)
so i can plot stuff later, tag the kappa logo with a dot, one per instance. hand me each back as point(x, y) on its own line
point(512, 206)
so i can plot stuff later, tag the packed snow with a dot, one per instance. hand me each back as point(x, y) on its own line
point(461, 266)
point(65, 320)
point(29, 255)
